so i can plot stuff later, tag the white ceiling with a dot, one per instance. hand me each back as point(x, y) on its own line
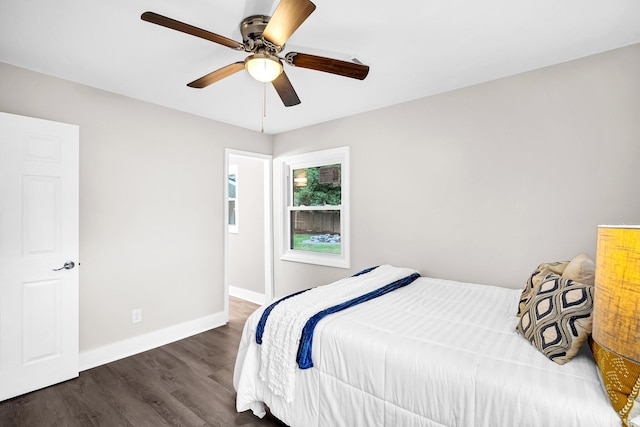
point(415, 48)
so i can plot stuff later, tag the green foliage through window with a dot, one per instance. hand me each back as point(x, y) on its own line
point(311, 192)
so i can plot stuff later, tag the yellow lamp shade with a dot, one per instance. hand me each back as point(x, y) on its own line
point(616, 311)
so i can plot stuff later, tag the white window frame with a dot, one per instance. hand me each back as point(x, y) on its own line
point(234, 228)
point(307, 160)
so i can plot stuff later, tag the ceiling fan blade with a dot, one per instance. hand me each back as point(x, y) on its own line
point(286, 91)
point(217, 75)
point(286, 19)
point(164, 21)
point(328, 65)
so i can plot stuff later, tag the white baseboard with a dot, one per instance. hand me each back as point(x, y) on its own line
point(246, 295)
point(125, 348)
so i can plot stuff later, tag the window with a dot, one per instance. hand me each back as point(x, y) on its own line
point(233, 198)
point(316, 208)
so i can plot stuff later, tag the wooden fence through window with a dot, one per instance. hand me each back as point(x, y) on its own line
point(316, 222)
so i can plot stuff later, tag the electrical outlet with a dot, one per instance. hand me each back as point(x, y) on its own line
point(136, 315)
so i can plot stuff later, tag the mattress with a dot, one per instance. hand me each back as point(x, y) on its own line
point(434, 353)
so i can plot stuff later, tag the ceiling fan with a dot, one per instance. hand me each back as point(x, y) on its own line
point(264, 37)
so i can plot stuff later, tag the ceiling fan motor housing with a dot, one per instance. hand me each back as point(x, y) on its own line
point(251, 29)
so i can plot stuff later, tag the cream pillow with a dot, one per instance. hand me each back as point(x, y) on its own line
point(536, 277)
point(581, 269)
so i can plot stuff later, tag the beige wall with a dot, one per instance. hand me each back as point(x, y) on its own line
point(479, 184)
point(151, 203)
point(483, 183)
point(246, 248)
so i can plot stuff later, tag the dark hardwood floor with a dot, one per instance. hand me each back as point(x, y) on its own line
point(185, 383)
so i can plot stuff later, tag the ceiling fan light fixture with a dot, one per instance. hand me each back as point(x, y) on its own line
point(263, 67)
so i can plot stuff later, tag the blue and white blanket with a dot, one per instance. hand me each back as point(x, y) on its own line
point(285, 330)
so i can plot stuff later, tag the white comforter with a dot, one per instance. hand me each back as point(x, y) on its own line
point(434, 353)
point(283, 330)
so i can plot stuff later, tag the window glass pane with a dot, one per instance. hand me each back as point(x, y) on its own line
point(232, 186)
point(232, 212)
point(316, 231)
point(317, 186)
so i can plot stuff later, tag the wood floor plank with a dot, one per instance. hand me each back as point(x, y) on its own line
point(186, 383)
point(125, 397)
point(145, 385)
point(80, 397)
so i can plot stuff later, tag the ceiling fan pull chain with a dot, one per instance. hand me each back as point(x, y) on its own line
point(264, 105)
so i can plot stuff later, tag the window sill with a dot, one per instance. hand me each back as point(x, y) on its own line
point(338, 261)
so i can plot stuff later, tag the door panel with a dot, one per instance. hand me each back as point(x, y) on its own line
point(41, 320)
point(38, 234)
point(41, 215)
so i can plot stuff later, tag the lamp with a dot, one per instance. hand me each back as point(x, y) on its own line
point(263, 67)
point(616, 311)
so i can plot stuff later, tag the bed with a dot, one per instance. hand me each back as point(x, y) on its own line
point(432, 353)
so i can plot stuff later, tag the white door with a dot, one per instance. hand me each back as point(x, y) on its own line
point(38, 234)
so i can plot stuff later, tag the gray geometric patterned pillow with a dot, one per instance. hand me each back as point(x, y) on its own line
point(536, 277)
point(557, 319)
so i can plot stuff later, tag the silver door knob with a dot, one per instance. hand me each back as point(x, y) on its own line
point(67, 266)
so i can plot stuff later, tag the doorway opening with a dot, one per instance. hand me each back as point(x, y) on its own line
point(248, 263)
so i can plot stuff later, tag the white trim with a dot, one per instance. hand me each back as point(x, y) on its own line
point(268, 223)
point(134, 345)
point(268, 229)
point(314, 159)
point(247, 295)
point(235, 228)
point(316, 208)
point(225, 234)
